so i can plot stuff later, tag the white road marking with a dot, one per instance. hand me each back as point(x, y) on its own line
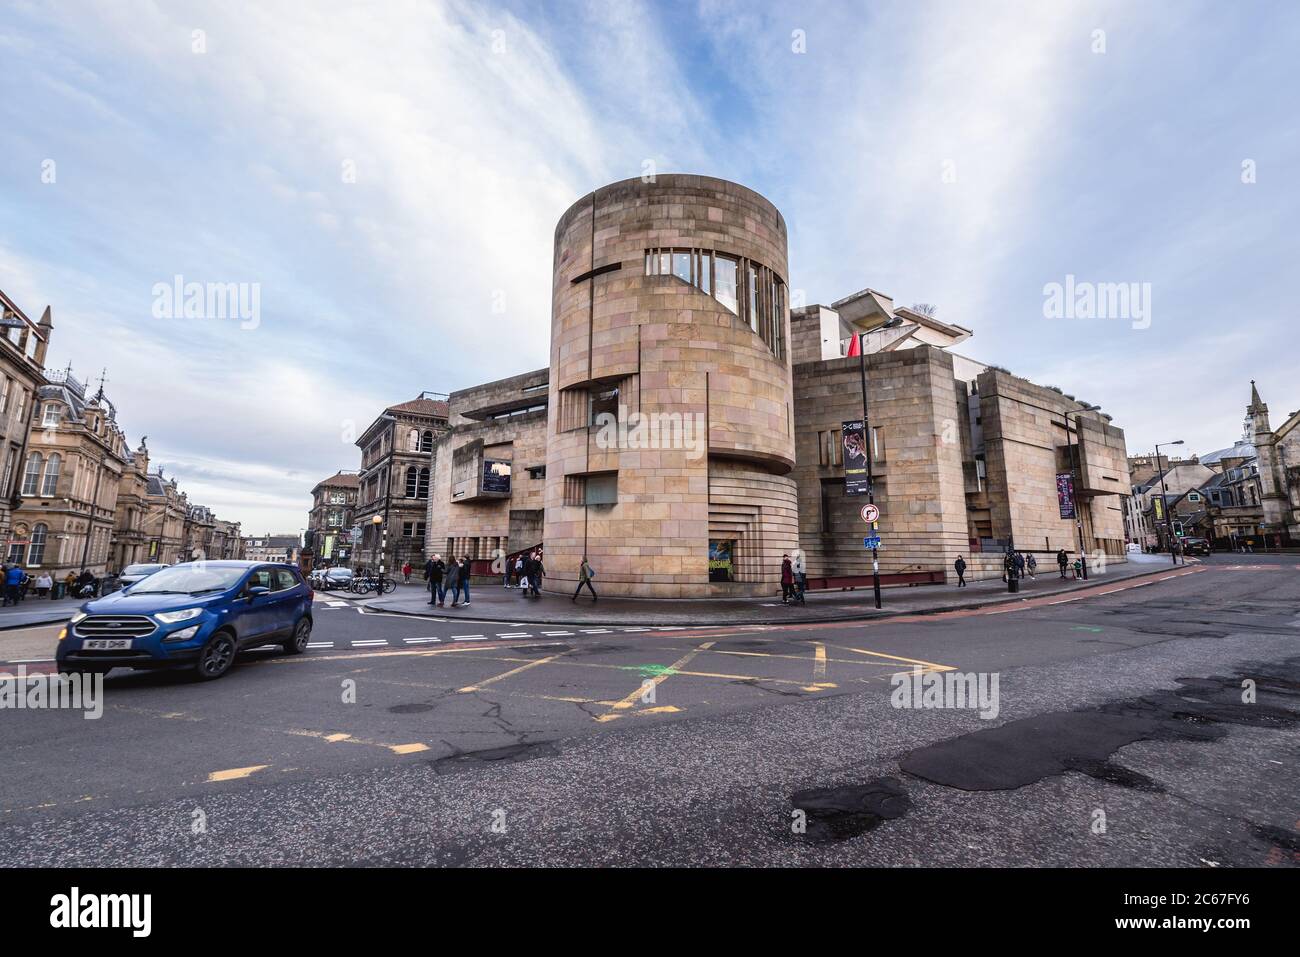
point(468, 637)
point(595, 631)
point(26, 661)
point(514, 634)
point(417, 641)
point(368, 643)
point(556, 634)
point(320, 644)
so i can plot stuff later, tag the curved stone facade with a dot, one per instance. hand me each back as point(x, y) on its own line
point(671, 405)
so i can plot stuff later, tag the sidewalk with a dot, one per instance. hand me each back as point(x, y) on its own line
point(490, 602)
point(37, 611)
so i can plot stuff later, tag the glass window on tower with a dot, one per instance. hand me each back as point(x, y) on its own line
point(725, 281)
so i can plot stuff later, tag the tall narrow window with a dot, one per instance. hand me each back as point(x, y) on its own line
point(724, 281)
point(37, 551)
point(4, 393)
point(426, 441)
point(51, 480)
point(752, 303)
point(422, 487)
point(412, 481)
point(10, 458)
point(32, 476)
point(682, 266)
point(414, 440)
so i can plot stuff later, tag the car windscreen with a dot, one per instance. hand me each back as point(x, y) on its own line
point(141, 569)
point(190, 580)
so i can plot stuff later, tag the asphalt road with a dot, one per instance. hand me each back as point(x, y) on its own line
point(400, 741)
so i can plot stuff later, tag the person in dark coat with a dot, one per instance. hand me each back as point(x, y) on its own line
point(787, 579)
point(535, 570)
point(1062, 560)
point(959, 566)
point(434, 569)
point(452, 583)
point(464, 577)
point(585, 575)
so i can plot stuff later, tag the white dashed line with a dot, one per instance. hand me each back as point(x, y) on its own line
point(518, 634)
point(556, 634)
point(368, 643)
point(27, 661)
point(320, 644)
point(420, 641)
point(595, 631)
point(468, 637)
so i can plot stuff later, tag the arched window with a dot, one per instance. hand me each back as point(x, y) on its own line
point(422, 490)
point(414, 443)
point(412, 481)
point(426, 441)
point(33, 473)
point(51, 481)
point(36, 552)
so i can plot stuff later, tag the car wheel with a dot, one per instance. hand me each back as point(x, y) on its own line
point(297, 643)
point(216, 657)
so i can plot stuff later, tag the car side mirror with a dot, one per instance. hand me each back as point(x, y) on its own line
point(255, 590)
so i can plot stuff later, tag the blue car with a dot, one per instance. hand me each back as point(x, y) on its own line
point(197, 615)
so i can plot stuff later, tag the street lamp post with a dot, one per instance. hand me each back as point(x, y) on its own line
point(1076, 475)
point(866, 437)
point(1164, 504)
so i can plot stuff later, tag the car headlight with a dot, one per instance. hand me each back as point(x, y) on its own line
point(78, 616)
point(185, 614)
point(184, 634)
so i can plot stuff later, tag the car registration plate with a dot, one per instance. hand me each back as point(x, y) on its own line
point(106, 644)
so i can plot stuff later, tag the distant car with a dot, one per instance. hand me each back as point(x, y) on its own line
point(137, 573)
point(1196, 546)
point(333, 577)
point(196, 615)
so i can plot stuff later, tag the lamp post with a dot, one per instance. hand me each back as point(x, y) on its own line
point(1164, 504)
point(1076, 475)
point(381, 523)
point(866, 429)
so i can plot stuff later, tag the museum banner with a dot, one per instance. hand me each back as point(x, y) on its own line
point(854, 436)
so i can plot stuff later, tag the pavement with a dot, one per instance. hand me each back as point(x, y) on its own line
point(37, 611)
point(492, 602)
point(1120, 738)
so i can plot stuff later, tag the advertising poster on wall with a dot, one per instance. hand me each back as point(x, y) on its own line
point(720, 561)
point(1065, 494)
point(853, 435)
point(496, 476)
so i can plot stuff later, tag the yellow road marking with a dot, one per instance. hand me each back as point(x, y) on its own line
point(910, 661)
point(819, 660)
point(337, 737)
point(632, 697)
point(235, 773)
point(407, 748)
point(513, 671)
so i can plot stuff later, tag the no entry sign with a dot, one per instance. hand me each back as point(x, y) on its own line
point(870, 513)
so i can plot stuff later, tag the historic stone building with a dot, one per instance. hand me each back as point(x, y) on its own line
point(23, 344)
point(1278, 459)
point(70, 481)
point(689, 430)
point(333, 502)
point(396, 460)
point(166, 507)
point(130, 541)
point(272, 548)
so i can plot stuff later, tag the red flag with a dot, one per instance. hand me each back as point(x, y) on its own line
point(855, 345)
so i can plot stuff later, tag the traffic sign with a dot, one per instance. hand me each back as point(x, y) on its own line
point(872, 542)
point(870, 513)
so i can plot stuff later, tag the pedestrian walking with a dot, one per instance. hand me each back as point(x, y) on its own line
point(1020, 565)
point(13, 579)
point(585, 575)
point(464, 578)
point(800, 576)
point(1032, 564)
point(959, 566)
point(787, 578)
point(1078, 569)
point(536, 570)
point(1062, 560)
point(43, 584)
point(519, 572)
point(406, 573)
point(453, 583)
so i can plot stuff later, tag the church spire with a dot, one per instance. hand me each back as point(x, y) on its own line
point(1257, 411)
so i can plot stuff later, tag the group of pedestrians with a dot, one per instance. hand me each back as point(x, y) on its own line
point(1018, 565)
point(447, 576)
point(1063, 563)
point(526, 573)
point(794, 579)
point(16, 583)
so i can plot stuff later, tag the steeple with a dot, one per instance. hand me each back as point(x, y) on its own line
point(1257, 411)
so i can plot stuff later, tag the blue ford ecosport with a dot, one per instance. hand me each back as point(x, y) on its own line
point(194, 615)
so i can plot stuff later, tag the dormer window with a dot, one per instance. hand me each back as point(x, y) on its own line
point(52, 415)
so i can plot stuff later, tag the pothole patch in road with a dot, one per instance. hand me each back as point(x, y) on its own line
point(410, 708)
point(839, 813)
point(1023, 752)
point(1281, 837)
point(509, 754)
point(556, 649)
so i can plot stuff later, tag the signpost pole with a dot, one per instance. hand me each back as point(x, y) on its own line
point(871, 479)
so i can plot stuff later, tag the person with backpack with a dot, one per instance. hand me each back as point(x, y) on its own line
point(959, 566)
point(585, 575)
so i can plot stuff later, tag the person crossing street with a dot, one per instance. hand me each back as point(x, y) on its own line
point(585, 575)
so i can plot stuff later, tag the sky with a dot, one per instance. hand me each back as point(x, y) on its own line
point(386, 177)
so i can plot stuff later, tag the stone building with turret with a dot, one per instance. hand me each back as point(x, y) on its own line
point(1278, 457)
